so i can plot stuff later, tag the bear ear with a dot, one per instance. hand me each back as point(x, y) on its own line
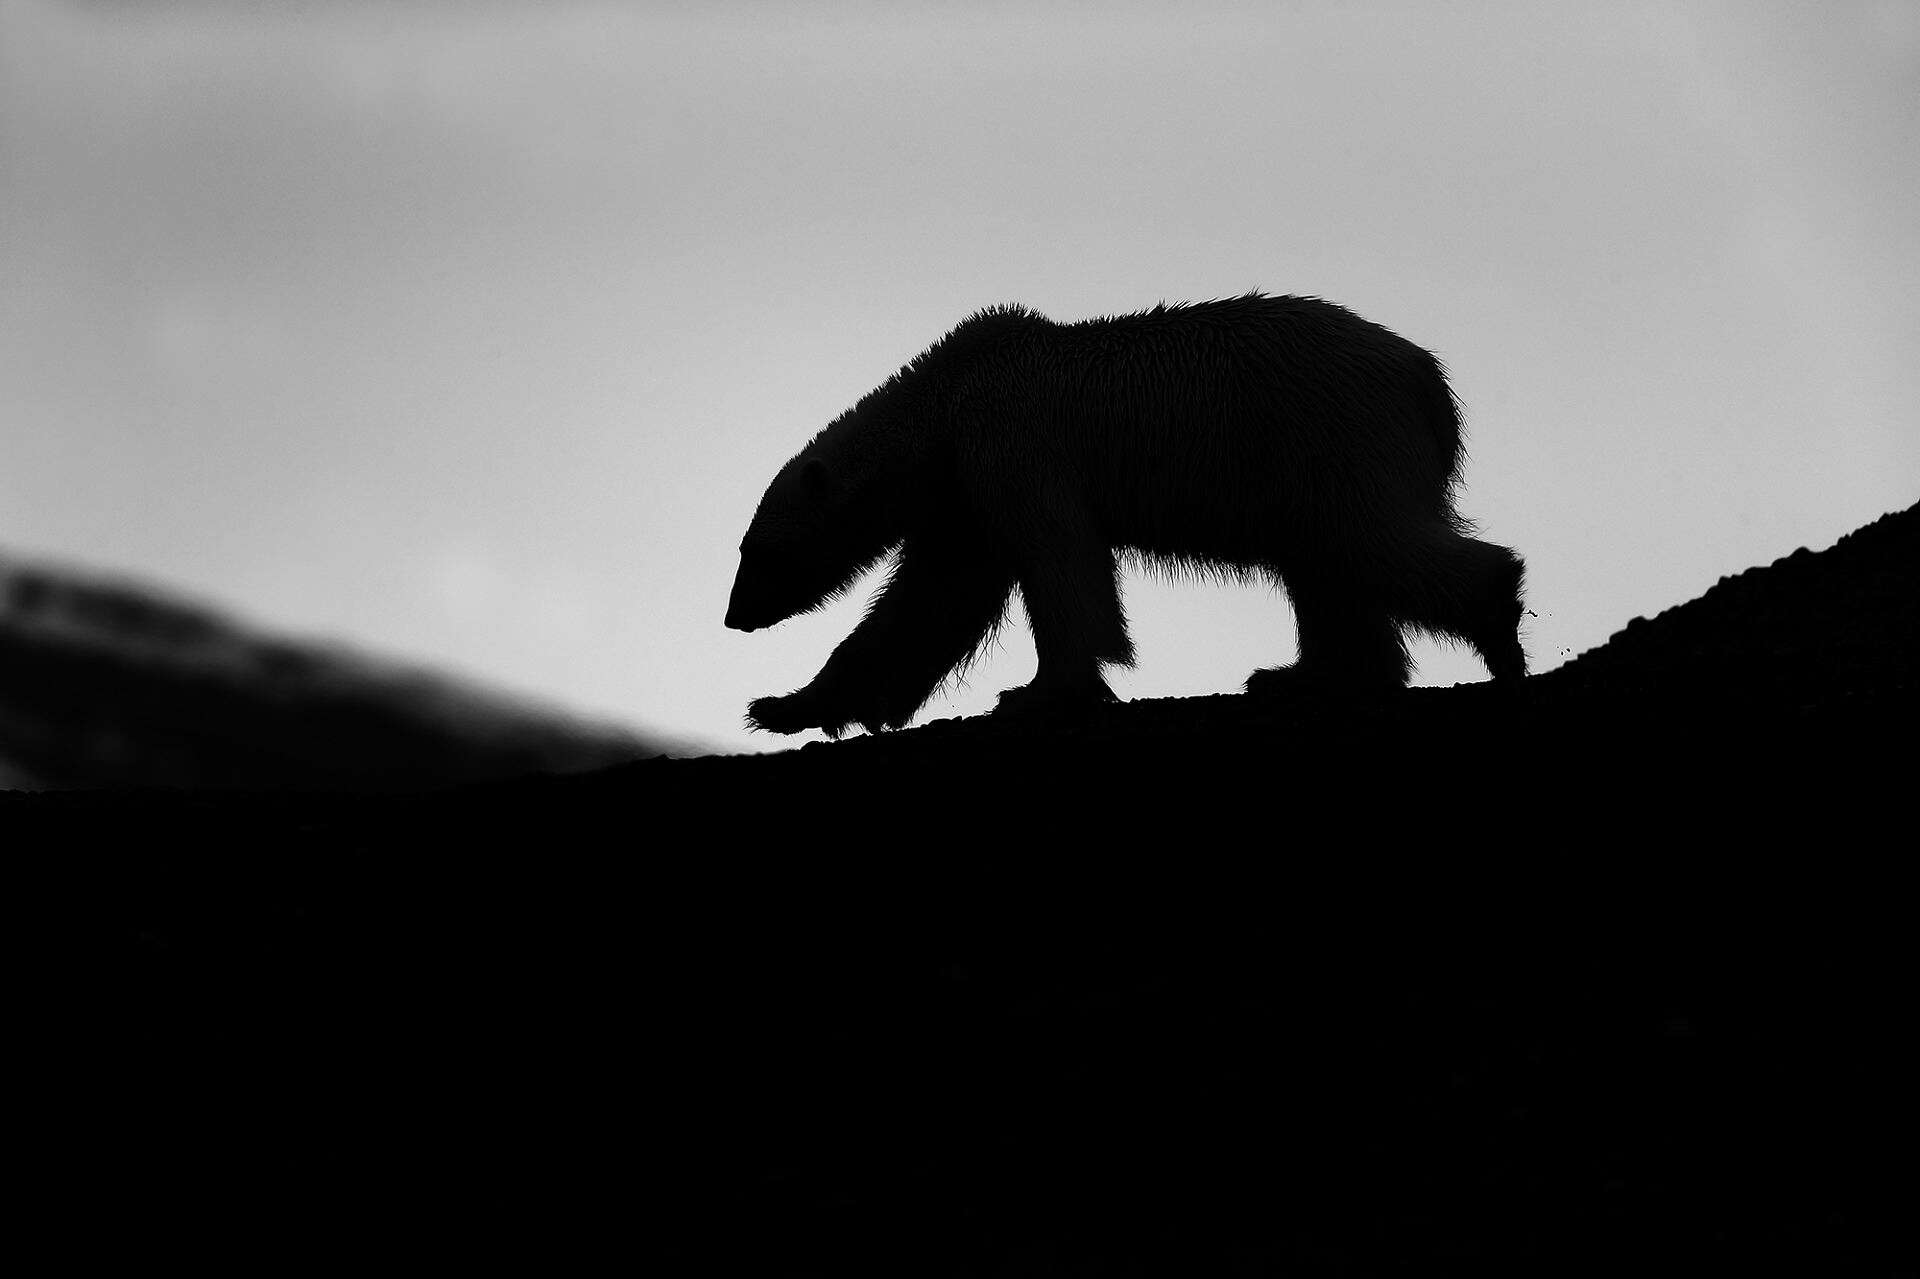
point(817, 478)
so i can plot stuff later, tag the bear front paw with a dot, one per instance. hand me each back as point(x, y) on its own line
point(799, 711)
point(794, 713)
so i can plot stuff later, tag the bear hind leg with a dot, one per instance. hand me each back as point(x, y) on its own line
point(1470, 590)
point(1497, 611)
point(1349, 642)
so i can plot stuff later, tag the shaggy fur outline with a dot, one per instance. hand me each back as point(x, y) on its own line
point(1278, 438)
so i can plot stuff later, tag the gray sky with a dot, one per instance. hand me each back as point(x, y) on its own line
point(474, 332)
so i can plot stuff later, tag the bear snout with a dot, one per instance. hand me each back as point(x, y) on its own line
point(742, 613)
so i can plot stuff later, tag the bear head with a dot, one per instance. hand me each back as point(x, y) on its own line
point(811, 538)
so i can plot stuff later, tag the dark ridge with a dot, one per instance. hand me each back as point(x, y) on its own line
point(1609, 974)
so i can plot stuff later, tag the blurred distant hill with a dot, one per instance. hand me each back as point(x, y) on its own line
point(115, 683)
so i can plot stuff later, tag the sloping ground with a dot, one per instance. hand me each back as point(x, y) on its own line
point(1610, 974)
point(107, 683)
point(1835, 624)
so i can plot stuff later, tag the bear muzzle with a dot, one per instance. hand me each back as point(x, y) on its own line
point(741, 616)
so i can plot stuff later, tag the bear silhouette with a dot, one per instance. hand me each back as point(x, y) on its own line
point(1276, 437)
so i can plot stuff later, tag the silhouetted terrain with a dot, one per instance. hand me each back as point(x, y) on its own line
point(1608, 974)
